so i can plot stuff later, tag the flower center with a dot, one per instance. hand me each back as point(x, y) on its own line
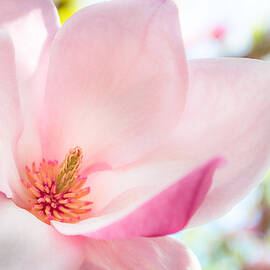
point(56, 190)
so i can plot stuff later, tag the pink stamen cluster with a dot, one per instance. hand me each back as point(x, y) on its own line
point(56, 191)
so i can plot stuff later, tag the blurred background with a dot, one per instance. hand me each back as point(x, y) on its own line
point(222, 28)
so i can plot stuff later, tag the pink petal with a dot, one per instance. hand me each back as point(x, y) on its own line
point(117, 81)
point(227, 114)
point(133, 254)
point(32, 25)
point(153, 208)
point(10, 120)
point(31, 244)
point(27, 243)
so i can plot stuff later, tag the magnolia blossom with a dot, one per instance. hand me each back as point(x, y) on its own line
point(110, 140)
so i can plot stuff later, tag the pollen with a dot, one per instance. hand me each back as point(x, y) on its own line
point(56, 191)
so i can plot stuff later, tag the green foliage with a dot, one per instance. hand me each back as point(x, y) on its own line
point(258, 34)
point(66, 8)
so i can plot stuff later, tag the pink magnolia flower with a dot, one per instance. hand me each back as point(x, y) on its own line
point(105, 146)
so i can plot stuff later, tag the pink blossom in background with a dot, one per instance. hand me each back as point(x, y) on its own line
point(258, 266)
point(240, 19)
point(110, 140)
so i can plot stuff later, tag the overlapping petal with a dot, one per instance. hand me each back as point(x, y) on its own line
point(32, 25)
point(31, 244)
point(27, 243)
point(117, 81)
point(157, 202)
point(227, 113)
point(10, 122)
point(156, 253)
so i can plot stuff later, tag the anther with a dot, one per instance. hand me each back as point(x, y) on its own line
point(56, 190)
